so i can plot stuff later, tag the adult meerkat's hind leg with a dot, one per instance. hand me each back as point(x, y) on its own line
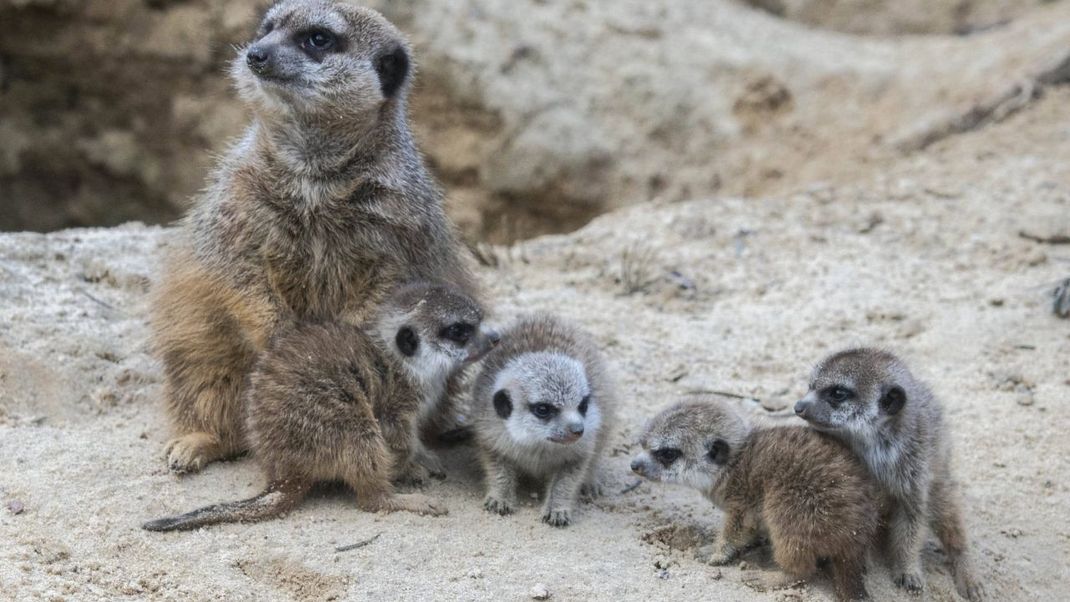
point(207, 336)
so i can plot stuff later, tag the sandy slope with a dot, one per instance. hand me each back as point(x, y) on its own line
point(925, 258)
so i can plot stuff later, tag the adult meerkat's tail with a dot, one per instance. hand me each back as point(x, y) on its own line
point(277, 499)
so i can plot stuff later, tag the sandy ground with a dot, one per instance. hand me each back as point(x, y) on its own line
point(743, 296)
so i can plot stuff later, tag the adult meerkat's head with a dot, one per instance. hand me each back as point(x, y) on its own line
point(690, 443)
point(323, 59)
point(435, 329)
point(545, 396)
point(855, 391)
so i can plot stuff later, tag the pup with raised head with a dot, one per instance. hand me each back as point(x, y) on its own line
point(321, 209)
point(542, 407)
point(869, 399)
point(332, 402)
point(803, 490)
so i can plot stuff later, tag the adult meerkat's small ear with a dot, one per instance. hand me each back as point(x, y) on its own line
point(393, 69)
point(893, 400)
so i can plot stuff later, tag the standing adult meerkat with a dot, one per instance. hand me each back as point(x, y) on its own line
point(542, 407)
point(333, 402)
point(320, 209)
point(806, 491)
point(869, 399)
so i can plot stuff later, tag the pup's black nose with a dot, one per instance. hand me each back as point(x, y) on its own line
point(256, 56)
point(637, 466)
point(575, 429)
point(801, 407)
point(494, 337)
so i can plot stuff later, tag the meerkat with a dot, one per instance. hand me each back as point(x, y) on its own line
point(542, 407)
point(333, 402)
point(869, 399)
point(320, 210)
point(803, 490)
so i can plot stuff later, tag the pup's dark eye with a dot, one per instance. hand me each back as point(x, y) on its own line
point(543, 411)
point(667, 455)
point(583, 405)
point(839, 394)
point(267, 28)
point(318, 40)
point(458, 333)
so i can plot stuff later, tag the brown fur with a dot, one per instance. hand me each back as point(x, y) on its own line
point(321, 209)
point(803, 490)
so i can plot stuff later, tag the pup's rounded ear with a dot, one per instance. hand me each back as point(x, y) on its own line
point(893, 400)
point(393, 70)
point(502, 404)
point(407, 341)
point(719, 452)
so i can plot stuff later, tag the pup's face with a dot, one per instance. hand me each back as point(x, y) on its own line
point(546, 396)
point(321, 57)
point(690, 444)
point(853, 392)
point(437, 330)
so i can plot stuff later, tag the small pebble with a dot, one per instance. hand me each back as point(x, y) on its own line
point(15, 507)
point(475, 573)
point(663, 574)
point(540, 592)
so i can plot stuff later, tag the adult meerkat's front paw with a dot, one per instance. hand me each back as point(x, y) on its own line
point(192, 452)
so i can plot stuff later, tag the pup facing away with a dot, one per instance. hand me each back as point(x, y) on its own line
point(332, 402)
point(542, 408)
point(803, 490)
point(318, 212)
point(869, 399)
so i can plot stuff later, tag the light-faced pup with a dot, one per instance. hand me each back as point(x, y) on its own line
point(543, 405)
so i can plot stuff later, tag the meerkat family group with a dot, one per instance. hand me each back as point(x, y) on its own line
point(316, 309)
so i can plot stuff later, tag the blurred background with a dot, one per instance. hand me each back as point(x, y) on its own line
point(536, 115)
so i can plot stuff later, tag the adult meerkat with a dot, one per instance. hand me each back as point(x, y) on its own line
point(319, 210)
point(334, 402)
point(804, 490)
point(542, 407)
point(869, 399)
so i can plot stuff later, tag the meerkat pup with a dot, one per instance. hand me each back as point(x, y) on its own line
point(804, 490)
point(542, 407)
point(332, 402)
point(869, 399)
point(321, 209)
